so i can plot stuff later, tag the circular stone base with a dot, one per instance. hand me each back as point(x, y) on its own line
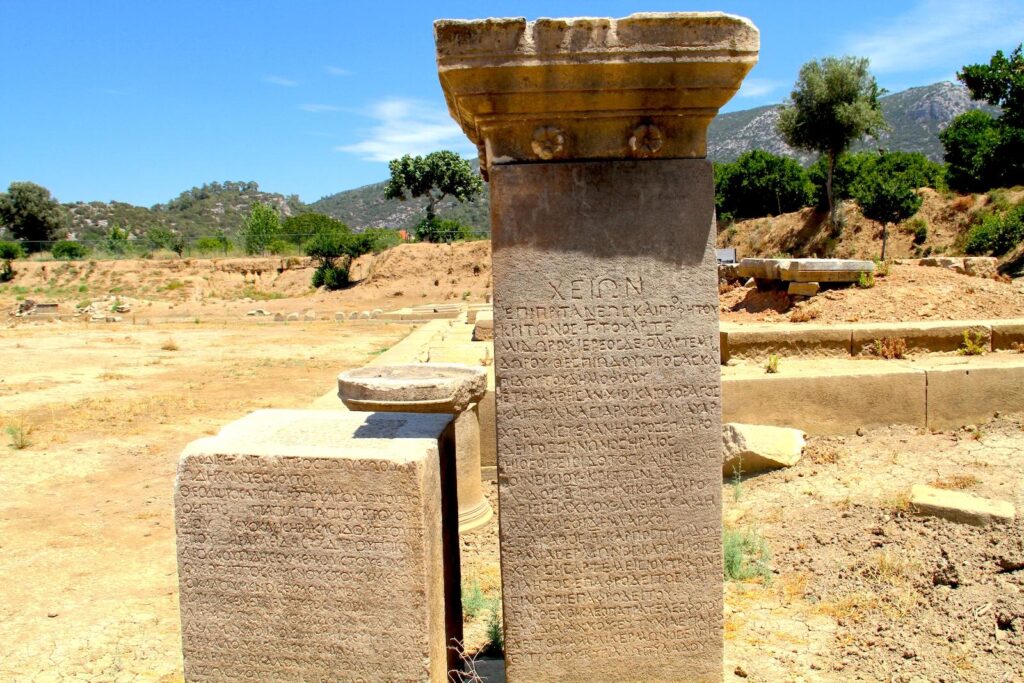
point(475, 517)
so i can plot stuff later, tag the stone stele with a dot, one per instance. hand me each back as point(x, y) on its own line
point(605, 333)
point(311, 548)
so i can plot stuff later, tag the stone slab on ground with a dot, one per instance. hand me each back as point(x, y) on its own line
point(311, 541)
point(1006, 333)
point(804, 270)
point(748, 449)
point(483, 329)
point(757, 342)
point(803, 288)
point(960, 507)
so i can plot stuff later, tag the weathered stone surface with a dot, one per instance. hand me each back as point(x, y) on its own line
point(981, 266)
point(293, 317)
point(1007, 333)
point(354, 315)
point(309, 316)
point(960, 507)
point(644, 86)
point(416, 388)
point(804, 270)
point(311, 541)
point(483, 330)
point(747, 449)
point(340, 315)
point(803, 288)
point(431, 388)
point(279, 317)
point(606, 362)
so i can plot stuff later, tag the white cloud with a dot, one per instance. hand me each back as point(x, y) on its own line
point(337, 71)
point(934, 32)
point(758, 87)
point(318, 108)
point(407, 127)
point(280, 80)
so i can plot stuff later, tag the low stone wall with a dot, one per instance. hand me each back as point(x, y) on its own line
point(756, 342)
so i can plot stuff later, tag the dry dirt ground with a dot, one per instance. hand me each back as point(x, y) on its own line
point(89, 588)
point(906, 293)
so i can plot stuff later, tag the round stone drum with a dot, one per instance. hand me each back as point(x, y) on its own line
point(431, 388)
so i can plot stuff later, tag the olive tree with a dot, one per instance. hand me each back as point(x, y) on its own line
point(834, 103)
point(434, 176)
point(31, 214)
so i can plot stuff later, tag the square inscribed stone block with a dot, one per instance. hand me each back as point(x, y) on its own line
point(311, 548)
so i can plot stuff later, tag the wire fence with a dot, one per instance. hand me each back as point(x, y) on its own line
point(209, 246)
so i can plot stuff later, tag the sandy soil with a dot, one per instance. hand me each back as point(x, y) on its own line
point(86, 513)
point(220, 289)
point(906, 293)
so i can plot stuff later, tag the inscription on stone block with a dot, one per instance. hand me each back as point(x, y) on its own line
point(310, 548)
point(608, 421)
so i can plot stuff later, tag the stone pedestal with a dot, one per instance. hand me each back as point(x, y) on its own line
point(605, 333)
point(311, 548)
point(431, 388)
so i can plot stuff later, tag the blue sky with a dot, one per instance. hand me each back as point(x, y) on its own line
point(137, 101)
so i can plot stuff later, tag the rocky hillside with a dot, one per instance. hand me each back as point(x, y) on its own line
point(194, 213)
point(365, 207)
point(916, 116)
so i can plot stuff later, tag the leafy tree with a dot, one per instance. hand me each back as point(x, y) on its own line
point(298, 229)
point(163, 238)
point(8, 252)
point(210, 244)
point(848, 167)
point(435, 176)
point(997, 233)
point(834, 103)
point(117, 240)
point(67, 250)
point(381, 239)
point(333, 246)
point(760, 183)
point(983, 151)
point(31, 214)
point(261, 228)
point(888, 195)
point(442, 230)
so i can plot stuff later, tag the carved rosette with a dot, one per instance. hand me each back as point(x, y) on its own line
point(642, 87)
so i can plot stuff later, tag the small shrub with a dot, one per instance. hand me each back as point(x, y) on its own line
point(772, 365)
point(974, 343)
point(746, 556)
point(330, 276)
point(169, 345)
point(495, 633)
point(474, 601)
point(995, 233)
point(10, 251)
point(999, 199)
point(866, 280)
point(918, 228)
point(891, 348)
point(882, 268)
point(19, 435)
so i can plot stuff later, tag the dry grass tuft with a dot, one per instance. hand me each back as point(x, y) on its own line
point(169, 345)
point(891, 348)
point(955, 482)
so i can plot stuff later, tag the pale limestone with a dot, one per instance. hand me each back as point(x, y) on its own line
point(606, 347)
point(431, 388)
point(803, 288)
point(311, 541)
point(483, 329)
point(747, 449)
point(960, 507)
